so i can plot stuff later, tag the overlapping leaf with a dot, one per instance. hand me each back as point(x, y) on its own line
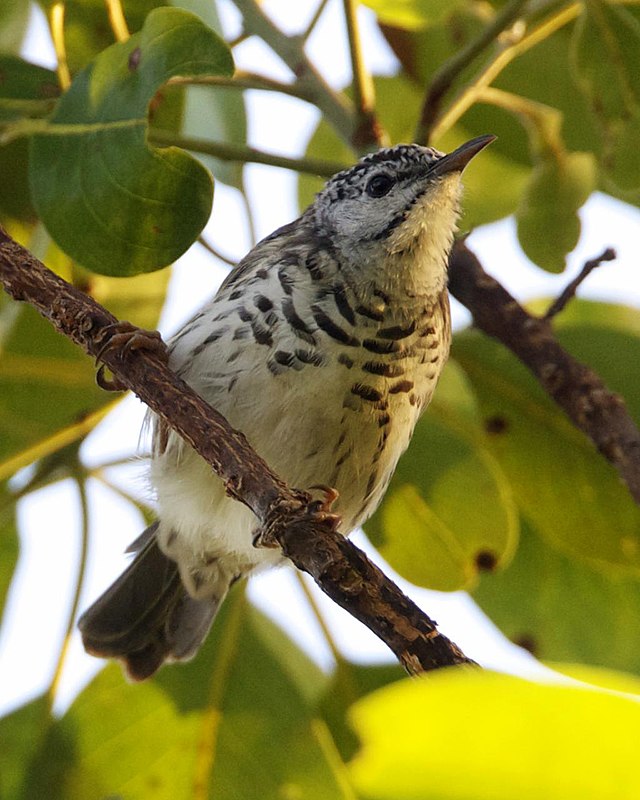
point(109, 200)
point(449, 512)
point(572, 496)
point(47, 384)
point(606, 63)
point(235, 722)
point(561, 609)
point(547, 216)
point(516, 739)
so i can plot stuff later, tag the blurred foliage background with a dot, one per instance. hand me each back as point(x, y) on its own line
point(106, 168)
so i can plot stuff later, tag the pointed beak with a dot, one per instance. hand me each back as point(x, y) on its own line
point(458, 160)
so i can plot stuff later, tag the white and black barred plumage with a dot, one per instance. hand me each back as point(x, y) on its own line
point(323, 346)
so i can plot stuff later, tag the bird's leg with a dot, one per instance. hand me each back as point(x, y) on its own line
point(316, 512)
point(125, 337)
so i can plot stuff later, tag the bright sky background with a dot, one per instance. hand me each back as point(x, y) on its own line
point(41, 592)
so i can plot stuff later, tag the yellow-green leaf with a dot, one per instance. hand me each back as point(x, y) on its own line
point(471, 735)
point(548, 222)
point(449, 512)
point(571, 494)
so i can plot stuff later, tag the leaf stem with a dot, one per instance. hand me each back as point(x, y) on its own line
point(315, 608)
point(75, 603)
point(117, 20)
point(367, 135)
point(471, 93)
point(56, 23)
point(215, 252)
point(246, 80)
point(448, 73)
point(233, 152)
point(314, 20)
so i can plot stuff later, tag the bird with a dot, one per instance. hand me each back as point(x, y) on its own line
point(323, 346)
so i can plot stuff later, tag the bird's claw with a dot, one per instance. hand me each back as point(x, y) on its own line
point(125, 337)
point(321, 509)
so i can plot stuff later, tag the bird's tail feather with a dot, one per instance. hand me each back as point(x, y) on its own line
point(146, 617)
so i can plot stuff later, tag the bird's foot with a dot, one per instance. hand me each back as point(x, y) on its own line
point(125, 337)
point(321, 509)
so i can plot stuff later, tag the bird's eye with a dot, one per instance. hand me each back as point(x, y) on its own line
point(379, 185)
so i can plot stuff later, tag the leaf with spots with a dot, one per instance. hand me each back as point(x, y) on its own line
point(561, 609)
point(568, 491)
point(448, 514)
point(112, 202)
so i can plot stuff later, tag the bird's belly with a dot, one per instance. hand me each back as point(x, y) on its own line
point(311, 429)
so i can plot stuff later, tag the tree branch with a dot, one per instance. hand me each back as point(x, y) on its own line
point(570, 290)
point(244, 154)
point(287, 516)
point(599, 413)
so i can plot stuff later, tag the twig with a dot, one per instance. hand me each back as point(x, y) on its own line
point(246, 80)
point(234, 152)
point(215, 252)
point(75, 603)
point(569, 292)
point(314, 20)
point(335, 107)
point(598, 412)
point(448, 73)
point(367, 134)
point(470, 94)
point(56, 24)
point(287, 516)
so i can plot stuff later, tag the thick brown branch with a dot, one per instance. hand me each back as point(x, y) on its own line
point(598, 412)
point(287, 515)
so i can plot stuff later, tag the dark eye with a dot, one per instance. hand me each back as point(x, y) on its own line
point(379, 185)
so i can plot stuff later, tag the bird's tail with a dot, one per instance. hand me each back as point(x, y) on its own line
point(146, 617)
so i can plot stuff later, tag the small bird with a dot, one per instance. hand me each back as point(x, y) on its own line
point(323, 346)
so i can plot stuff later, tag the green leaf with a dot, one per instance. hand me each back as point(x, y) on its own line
point(14, 17)
point(573, 497)
point(610, 83)
point(110, 201)
point(21, 733)
point(547, 217)
point(611, 80)
point(9, 546)
point(25, 90)
point(560, 609)
point(349, 683)
point(232, 723)
point(48, 393)
point(87, 30)
point(449, 512)
point(412, 14)
point(471, 735)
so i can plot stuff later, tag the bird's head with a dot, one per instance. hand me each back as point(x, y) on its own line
point(396, 210)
